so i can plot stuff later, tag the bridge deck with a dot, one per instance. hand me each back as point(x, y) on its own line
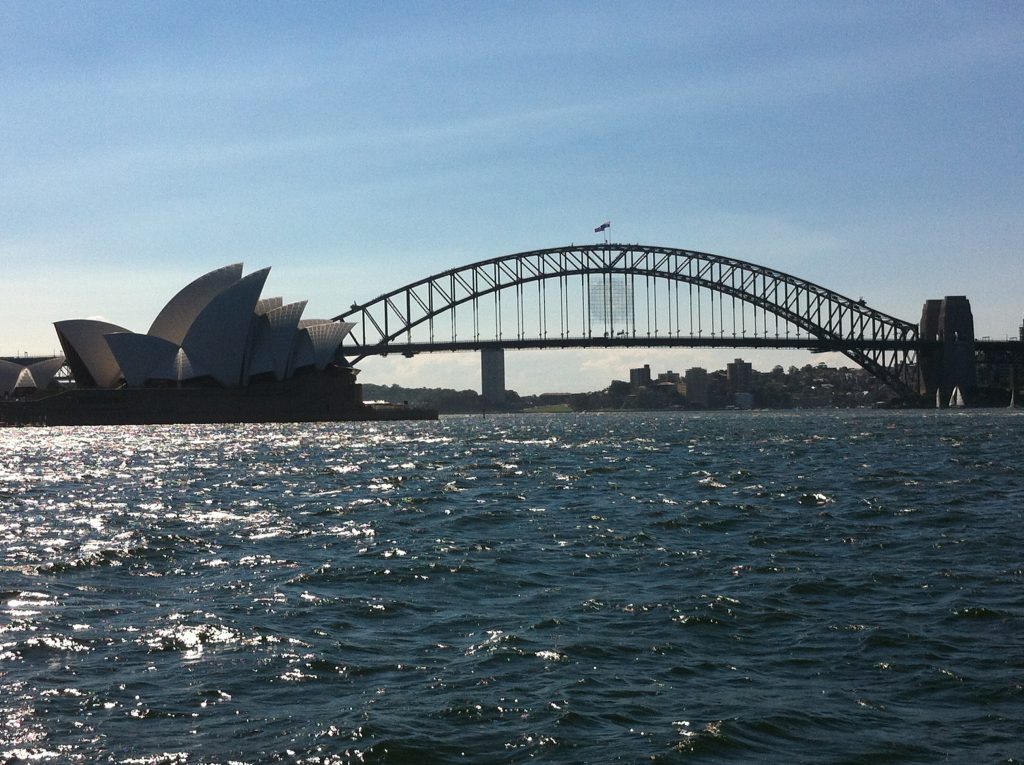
point(806, 343)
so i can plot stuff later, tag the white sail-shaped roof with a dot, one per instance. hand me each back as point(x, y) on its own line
point(284, 323)
point(278, 338)
point(143, 357)
point(217, 327)
point(184, 369)
point(218, 337)
point(43, 371)
point(177, 317)
point(303, 354)
point(327, 338)
point(317, 342)
point(11, 375)
point(265, 305)
point(87, 352)
point(260, 361)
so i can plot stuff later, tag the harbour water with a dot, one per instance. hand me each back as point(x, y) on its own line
point(722, 587)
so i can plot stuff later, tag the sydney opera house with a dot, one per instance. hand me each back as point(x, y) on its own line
point(216, 352)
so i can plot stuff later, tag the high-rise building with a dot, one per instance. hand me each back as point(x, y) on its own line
point(697, 387)
point(640, 377)
point(740, 376)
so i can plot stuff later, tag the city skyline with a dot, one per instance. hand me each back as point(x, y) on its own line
point(871, 149)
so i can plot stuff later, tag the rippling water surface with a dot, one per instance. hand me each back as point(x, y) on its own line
point(726, 587)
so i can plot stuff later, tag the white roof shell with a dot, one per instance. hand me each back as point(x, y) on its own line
point(265, 305)
point(82, 340)
point(11, 375)
point(317, 343)
point(143, 357)
point(43, 371)
point(218, 338)
point(261, 360)
point(38, 375)
point(275, 340)
point(184, 368)
point(176, 318)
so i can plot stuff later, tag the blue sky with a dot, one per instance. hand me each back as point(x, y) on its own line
point(874, 148)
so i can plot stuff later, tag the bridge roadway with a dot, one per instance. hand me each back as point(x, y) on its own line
point(813, 344)
point(1000, 351)
point(992, 351)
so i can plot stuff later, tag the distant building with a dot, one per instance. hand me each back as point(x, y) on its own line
point(669, 376)
point(740, 376)
point(640, 377)
point(697, 387)
point(547, 399)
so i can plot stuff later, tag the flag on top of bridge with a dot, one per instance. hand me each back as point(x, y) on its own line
point(607, 224)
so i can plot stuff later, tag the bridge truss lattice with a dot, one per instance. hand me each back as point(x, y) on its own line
point(630, 295)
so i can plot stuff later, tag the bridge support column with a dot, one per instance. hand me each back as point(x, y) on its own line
point(492, 376)
point(953, 366)
point(929, 361)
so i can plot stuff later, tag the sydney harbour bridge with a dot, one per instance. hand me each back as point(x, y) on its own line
point(632, 295)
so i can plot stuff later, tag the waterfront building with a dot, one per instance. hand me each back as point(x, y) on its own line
point(217, 352)
point(214, 331)
point(740, 376)
point(640, 377)
point(697, 387)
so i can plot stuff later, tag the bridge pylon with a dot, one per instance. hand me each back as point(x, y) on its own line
point(949, 364)
point(492, 375)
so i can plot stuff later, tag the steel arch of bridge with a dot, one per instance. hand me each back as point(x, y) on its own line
point(604, 281)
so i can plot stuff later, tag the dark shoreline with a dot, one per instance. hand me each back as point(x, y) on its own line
point(312, 398)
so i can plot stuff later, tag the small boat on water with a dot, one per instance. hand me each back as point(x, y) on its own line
point(956, 401)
